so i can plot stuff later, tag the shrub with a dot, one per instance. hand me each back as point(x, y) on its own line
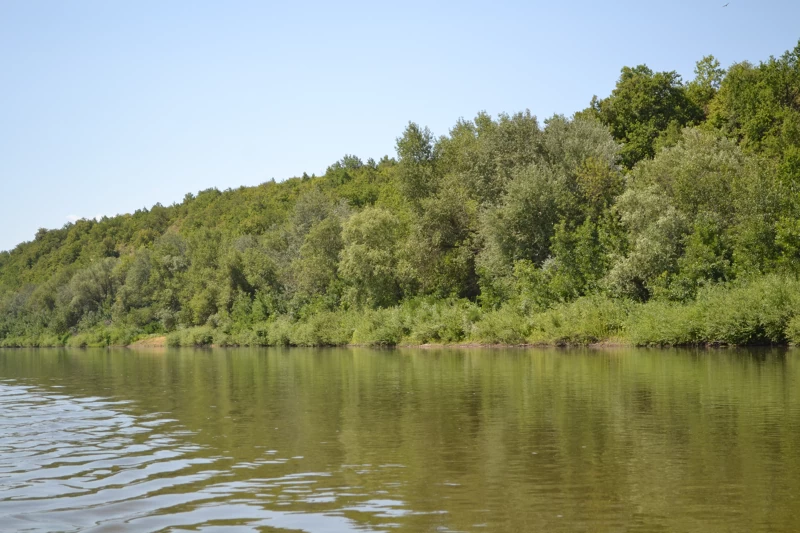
point(663, 324)
point(379, 327)
point(447, 321)
point(793, 330)
point(502, 326)
point(586, 320)
point(324, 328)
point(757, 312)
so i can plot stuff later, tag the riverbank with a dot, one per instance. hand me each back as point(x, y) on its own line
point(765, 311)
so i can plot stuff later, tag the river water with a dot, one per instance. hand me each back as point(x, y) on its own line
point(341, 440)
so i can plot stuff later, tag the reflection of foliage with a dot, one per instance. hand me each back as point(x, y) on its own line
point(600, 422)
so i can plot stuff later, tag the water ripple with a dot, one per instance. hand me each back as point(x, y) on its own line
point(84, 464)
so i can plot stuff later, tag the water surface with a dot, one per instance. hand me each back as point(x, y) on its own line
point(399, 440)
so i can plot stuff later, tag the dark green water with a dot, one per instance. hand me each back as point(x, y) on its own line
point(400, 440)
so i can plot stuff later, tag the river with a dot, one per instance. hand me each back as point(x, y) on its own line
point(340, 440)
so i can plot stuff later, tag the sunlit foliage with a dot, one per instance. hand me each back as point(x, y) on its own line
point(661, 197)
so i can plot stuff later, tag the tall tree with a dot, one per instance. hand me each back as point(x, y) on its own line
point(644, 107)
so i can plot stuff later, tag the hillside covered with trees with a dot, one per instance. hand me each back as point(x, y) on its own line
point(667, 212)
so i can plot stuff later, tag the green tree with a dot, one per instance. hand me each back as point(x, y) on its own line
point(417, 168)
point(689, 212)
point(759, 106)
point(708, 78)
point(643, 107)
point(442, 243)
point(316, 268)
point(370, 258)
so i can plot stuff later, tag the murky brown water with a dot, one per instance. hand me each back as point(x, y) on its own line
point(401, 440)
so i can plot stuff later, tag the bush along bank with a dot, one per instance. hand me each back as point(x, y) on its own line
point(763, 311)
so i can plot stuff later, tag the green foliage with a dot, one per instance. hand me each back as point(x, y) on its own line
point(585, 321)
point(522, 226)
point(416, 174)
point(665, 213)
point(483, 154)
point(690, 213)
point(315, 270)
point(501, 326)
point(643, 107)
point(793, 330)
point(762, 311)
point(439, 321)
point(758, 105)
point(370, 258)
point(200, 336)
point(102, 337)
point(323, 328)
point(441, 243)
point(379, 327)
point(665, 323)
point(707, 81)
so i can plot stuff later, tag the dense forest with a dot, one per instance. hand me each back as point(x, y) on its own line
point(667, 212)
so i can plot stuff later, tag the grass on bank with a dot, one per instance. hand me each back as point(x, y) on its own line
point(762, 311)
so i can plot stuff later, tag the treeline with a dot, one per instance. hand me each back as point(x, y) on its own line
point(665, 213)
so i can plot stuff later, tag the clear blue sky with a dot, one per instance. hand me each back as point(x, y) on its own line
point(107, 107)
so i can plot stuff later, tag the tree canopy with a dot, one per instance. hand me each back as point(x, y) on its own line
point(657, 192)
